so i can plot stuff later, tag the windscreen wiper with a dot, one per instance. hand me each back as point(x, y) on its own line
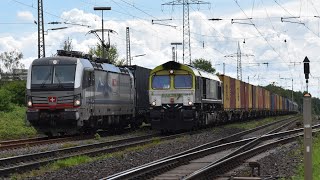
point(59, 81)
point(45, 80)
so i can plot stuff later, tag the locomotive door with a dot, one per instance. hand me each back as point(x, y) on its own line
point(91, 92)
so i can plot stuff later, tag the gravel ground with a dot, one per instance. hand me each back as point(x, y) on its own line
point(103, 168)
point(280, 162)
point(55, 146)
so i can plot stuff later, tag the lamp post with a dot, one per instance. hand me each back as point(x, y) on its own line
point(102, 9)
point(176, 44)
point(136, 56)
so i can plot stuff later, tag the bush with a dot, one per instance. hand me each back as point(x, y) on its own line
point(5, 100)
point(17, 91)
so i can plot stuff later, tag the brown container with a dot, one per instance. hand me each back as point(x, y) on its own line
point(249, 96)
point(254, 97)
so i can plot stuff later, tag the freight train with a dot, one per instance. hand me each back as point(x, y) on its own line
point(70, 93)
point(183, 97)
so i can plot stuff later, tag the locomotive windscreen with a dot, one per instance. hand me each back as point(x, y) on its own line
point(161, 82)
point(183, 81)
point(46, 76)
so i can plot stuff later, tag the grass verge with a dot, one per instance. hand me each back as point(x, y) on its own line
point(315, 160)
point(13, 125)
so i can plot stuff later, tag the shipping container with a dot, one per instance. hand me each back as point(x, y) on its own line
point(232, 93)
point(254, 97)
point(250, 96)
point(238, 93)
point(260, 99)
point(226, 91)
point(272, 102)
point(141, 79)
point(246, 96)
point(267, 99)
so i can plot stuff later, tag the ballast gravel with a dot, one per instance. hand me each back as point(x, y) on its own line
point(106, 167)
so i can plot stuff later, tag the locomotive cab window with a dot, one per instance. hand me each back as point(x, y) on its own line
point(160, 82)
point(183, 81)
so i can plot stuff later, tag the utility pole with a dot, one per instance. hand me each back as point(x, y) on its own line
point(128, 45)
point(41, 43)
point(239, 54)
point(186, 25)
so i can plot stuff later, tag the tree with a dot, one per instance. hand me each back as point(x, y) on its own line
point(203, 65)
point(67, 45)
point(11, 60)
point(112, 54)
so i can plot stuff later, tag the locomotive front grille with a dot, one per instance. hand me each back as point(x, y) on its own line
point(59, 99)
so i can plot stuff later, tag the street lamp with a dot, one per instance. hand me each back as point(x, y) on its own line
point(136, 56)
point(102, 9)
point(176, 44)
point(54, 29)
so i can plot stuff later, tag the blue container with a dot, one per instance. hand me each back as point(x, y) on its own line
point(272, 102)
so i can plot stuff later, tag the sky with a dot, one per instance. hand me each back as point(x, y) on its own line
point(274, 36)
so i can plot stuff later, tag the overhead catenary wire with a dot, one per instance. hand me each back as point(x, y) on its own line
point(261, 34)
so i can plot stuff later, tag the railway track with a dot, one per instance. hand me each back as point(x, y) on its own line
point(227, 145)
point(20, 143)
point(27, 162)
point(22, 163)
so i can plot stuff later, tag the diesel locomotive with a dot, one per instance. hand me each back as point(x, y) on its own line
point(72, 93)
point(183, 97)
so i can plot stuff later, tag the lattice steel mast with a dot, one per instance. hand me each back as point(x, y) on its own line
point(128, 46)
point(186, 25)
point(239, 54)
point(41, 44)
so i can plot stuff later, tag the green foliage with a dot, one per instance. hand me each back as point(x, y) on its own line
point(11, 60)
point(203, 65)
point(13, 124)
point(17, 91)
point(73, 161)
point(112, 53)
point(5, 100)
point(97, 136)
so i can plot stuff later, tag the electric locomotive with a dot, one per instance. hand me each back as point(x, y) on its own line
point(71, 93)
point(183, 97)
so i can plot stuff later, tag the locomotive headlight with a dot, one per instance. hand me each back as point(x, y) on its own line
point(29, 102)
point(190, 103)
point(77, 101)
point(153, 103)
